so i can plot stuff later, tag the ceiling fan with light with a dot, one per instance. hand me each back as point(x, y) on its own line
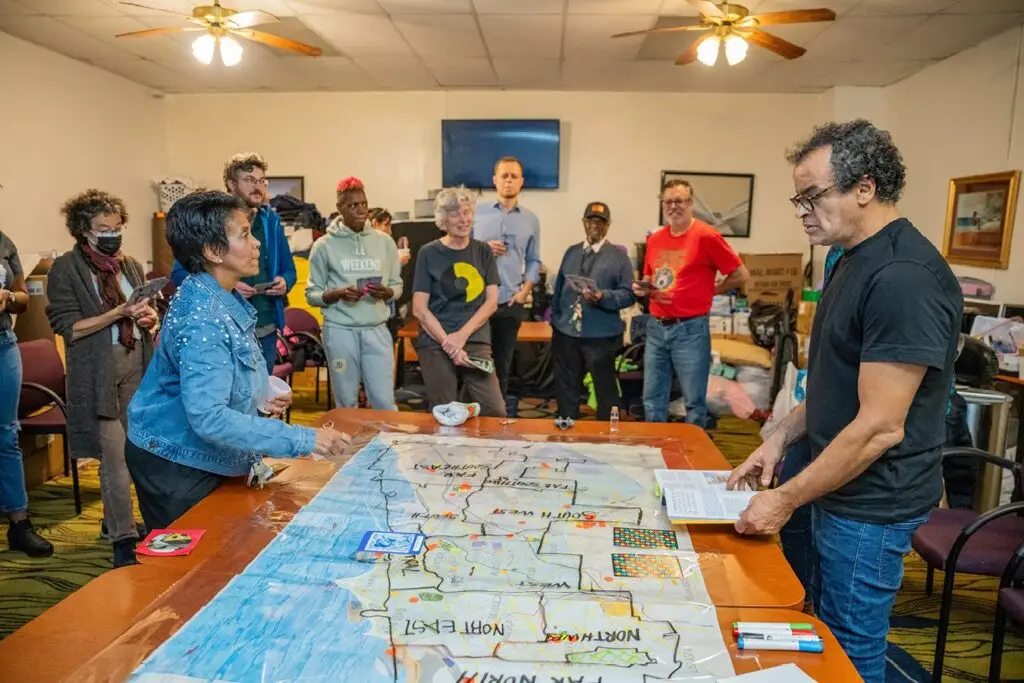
point(218, 25)
point(733, 25)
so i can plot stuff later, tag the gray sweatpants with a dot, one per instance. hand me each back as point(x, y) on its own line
point(361, 355)
point(115, 483)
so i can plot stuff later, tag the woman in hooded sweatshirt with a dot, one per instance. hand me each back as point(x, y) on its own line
point(356, 311)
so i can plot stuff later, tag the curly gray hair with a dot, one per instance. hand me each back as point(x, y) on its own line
point(859, 150)
point(449, 200)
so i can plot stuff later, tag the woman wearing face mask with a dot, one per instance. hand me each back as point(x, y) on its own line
point(108, 347)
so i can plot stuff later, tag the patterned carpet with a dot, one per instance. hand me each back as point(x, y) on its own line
point(29, 586)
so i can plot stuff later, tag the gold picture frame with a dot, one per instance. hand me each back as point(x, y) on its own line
point(980, 212)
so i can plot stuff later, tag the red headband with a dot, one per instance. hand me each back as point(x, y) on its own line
point(349, 184)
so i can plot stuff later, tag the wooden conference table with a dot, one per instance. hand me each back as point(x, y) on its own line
point(105, 629)
point(529, 331)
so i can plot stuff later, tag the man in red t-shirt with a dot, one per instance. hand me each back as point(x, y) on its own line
point(680, 267)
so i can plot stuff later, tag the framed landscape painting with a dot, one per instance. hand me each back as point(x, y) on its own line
point(723, 200)
point(290, 185)
point(979, 219)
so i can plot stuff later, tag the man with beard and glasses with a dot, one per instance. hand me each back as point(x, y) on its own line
point(592, 286)
point(513, 233)
point(245, 176)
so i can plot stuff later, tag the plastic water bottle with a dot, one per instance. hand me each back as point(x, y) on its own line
point(613, 420)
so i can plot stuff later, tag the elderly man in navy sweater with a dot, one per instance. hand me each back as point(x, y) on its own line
point(594, 283)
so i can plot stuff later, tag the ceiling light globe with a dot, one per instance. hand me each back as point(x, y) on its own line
point(735, 49)
point(203, 47)
point(230, 51)
point(707, 52)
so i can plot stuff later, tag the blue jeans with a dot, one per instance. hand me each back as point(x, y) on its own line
point(13, 497)
point(268, 346)
point(860, 570)
point(797, 540)
point(685, 348)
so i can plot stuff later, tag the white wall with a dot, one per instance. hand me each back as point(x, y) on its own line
point(954, 119)
point(64, 127)
point(614, 147)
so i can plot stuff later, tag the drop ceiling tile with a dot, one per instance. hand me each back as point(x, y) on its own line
point(667, 46)
point(795, 75)
point(442, 35)
point(529, 73)
point(589, 74)
point(294, 29)
point(302, 7)
point(840, 7)
point(327, 73)
point(463, 73)
point(359, 34)
point(589, 36)
point(944, 35)
point(398, 72)
point(10, 8)
point(876, 74)
point(627, 7)
point(150, 47)
point(511, 35)
point(154, 6)
point(519, 6)
point(59, 37)
point(426, 6)
point(854, 38)
point(886, 7)
point(72, 8)
point(259, 67)
point(149, 73)
point(973, 6)
point(682, 8)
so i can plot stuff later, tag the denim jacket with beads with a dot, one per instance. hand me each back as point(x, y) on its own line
point(197, 403)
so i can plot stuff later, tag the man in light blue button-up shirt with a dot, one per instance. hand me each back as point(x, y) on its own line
point(513, 233)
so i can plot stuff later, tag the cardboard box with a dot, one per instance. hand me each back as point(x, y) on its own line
point(741, 323)
point(772, 275)
point(805, 316)
point(721, 324)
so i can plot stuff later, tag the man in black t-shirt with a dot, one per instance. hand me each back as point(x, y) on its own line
point(881, 361)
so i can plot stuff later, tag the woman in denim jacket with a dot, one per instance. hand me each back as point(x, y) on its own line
point(193, 421)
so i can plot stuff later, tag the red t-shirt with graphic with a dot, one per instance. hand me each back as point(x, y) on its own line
point(683, 267)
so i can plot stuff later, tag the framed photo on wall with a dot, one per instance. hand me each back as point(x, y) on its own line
point(723, 200)
point(979, 219)
point(290, 185)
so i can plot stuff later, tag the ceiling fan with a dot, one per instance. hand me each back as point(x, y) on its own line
point(218, 26)
point(733, 25)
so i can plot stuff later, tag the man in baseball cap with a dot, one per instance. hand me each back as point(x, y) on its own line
point(594, 283)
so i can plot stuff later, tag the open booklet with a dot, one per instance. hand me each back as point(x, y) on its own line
point(700, 497)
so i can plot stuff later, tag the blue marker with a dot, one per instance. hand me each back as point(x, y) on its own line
point(746, 643)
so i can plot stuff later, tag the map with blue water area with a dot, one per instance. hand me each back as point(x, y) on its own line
point(543, 563)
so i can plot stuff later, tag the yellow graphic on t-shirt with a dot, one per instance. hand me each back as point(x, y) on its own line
point(474, 281)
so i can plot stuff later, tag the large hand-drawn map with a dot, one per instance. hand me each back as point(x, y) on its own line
point(543, 563)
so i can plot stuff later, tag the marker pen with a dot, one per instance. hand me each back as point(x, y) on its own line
point(788, 645)
point(761, 626)
point(787, 632)
point(802, 637)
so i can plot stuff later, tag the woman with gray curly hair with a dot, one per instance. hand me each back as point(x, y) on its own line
point(108, 344)
point(455, 292)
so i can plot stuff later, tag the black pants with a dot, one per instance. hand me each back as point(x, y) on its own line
point(959, 474)
point(166, 489)
point(573, 357)
point(442, 377)
point(505, 324)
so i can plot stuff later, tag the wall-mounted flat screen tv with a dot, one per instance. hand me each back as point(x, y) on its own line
point(469, 149)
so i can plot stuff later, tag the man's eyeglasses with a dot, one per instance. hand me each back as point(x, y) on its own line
point(677, 202)
point(263, 182)
point(806, 202)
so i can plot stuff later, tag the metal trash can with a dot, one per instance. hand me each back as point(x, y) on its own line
point(988, 416)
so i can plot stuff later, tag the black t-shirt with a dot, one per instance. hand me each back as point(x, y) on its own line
point(457, 281)
point(890, 299)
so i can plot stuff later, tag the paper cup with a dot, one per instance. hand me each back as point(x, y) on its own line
point(275, 387)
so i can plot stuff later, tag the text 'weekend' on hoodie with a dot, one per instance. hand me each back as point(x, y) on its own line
point(339, 259)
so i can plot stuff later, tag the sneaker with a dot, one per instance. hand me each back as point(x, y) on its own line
point(124, 553)
point(140, 529)
point(22, 536)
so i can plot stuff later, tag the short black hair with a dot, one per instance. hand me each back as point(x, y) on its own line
point(200, 220)
point(243, 163)
point(859, 150)
point(380, 215)
point(82, 208)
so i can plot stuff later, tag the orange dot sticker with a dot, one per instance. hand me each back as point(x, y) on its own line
point(414, 599)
